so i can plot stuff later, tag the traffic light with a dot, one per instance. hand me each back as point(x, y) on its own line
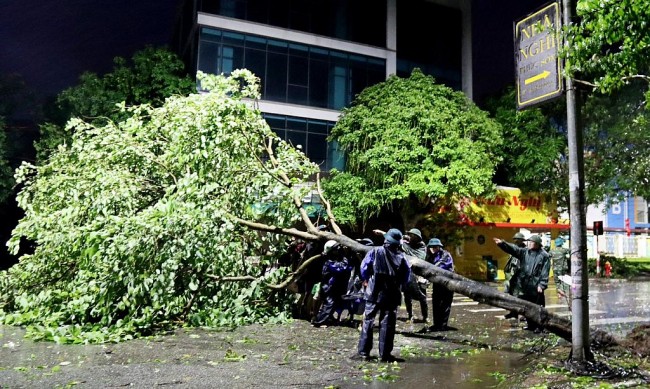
point(627, 227)
point(598, 227)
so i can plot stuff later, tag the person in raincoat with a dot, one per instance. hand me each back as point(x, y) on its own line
point(441, 297)
point(384, 271)
point(334, 284)
point(417, 288)
point(510, 269)
point(533, 274)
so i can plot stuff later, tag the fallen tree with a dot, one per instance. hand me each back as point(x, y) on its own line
point(174, 217)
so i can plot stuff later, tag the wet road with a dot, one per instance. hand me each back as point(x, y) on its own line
point(481, 353)
point(615, 306)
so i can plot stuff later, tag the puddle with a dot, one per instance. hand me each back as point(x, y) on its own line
point(482, 370)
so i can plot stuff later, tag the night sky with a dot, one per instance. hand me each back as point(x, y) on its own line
point(52, 42)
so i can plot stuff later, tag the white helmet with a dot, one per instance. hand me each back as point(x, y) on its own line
point(329, 246)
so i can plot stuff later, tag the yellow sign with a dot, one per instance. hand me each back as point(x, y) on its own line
point(510, 205)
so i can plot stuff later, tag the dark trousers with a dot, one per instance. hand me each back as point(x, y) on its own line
point(538, 299)
point(441, 305)
point(417, 293)
point(387, 321)
point(331, 304)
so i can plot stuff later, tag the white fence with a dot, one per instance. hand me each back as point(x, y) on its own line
point(618, 245)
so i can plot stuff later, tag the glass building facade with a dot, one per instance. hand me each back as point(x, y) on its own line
point(290, 72)
point(314, 56)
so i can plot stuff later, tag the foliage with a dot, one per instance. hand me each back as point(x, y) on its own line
point(408, 142)
point(134, 221)
point(610, 43)
point(617, 138)
point(6, 173)
point(534, 149)
point(609, 49)
point(152, 75)
point(621, 267)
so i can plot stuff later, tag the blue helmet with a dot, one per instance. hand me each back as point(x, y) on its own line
point(434, 242)
point(559, 241)
point(393, 236)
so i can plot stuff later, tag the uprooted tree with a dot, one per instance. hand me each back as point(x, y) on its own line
point(174, 217)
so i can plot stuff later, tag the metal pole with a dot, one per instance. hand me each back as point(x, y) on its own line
point(577, 209)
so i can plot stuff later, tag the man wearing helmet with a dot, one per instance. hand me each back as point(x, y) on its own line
point(413, 245)
point(385, 272)
point(334, 283)
point(532, 277)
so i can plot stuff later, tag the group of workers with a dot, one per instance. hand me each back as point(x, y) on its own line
point(384, 274)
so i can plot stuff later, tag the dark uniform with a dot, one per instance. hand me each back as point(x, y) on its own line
point(386, 272)
point(533, 273)
point(334, 284)
point(417, 287)
point(441, 297)
point(561, 258)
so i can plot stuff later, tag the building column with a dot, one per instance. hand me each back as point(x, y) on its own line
point(391, 37)
point(468, 82)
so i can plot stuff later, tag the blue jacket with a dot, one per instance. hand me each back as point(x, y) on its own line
point(336, 274)
point(441, 259)
point(387, 272)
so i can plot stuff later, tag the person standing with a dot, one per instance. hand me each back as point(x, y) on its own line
point(511, 268)
point(417, 287)
point(561, 258)
point(413, 245)
point(384, 271)
point(441, 297)
point(334, 283)
point(532, 277)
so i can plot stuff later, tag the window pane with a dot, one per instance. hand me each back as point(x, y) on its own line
point(298, 70)
point(256, 63)
point(298, 95)
point(276, 84)
point(317, 127)
point(297, 139)
point(232, 58)
point(208, 57)
point(317, 149)
point(318, 85)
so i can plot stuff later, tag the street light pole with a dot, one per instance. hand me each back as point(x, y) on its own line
point(577, 209)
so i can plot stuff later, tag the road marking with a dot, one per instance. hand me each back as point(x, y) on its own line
point(486, 310)
point(618, 320)
point(554, 306)
point(464, 303)
point(591, 312)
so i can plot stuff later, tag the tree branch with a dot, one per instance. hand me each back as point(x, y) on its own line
point(328, 207)
point(286, 181)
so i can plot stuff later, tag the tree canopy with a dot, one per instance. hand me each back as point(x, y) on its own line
point(152, 75)
point(609, 50)
point(411, 142)
point(134, 220)
point(534, 148)
point(609, 45)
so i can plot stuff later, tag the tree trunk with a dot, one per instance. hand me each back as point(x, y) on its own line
point(485, 294)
